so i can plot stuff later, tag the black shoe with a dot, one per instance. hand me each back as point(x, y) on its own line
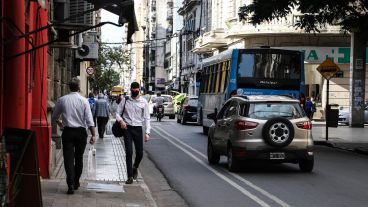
point(129, 181)
point(76, 185)
point(70, 190)
point(135, 173)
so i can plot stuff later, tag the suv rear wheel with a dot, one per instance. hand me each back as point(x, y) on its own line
point(212, 156)
point(278, 132)
point(306, 165)
point(232, 162)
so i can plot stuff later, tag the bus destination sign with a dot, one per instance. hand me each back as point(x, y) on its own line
point(328, 69)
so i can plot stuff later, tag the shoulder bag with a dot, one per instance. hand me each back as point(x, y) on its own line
point(117, 131)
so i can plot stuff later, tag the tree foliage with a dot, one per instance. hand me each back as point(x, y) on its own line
point(108, 67)
point(351, 15)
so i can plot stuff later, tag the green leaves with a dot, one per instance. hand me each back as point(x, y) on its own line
point(108, 67)
point(351, 15)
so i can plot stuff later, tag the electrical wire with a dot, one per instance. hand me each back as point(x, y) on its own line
point(151, 40)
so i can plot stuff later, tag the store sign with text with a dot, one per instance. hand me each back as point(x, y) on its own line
point(339, 55)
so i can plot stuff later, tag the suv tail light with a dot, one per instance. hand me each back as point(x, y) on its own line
point(186, 108)
point(304, 125)
point(242, 125)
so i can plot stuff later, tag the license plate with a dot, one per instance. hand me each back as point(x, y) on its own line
point(160, 109)
point(277, 155)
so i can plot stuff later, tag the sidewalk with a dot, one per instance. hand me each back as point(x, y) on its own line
point(105, 187)
point(342, 137)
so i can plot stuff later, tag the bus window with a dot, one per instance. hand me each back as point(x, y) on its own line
point(227, 74)
point(265, 65)
point(209, 79)
point(223, 74)
point(246, 65)
point(220, 83)
point(218, 72)
point(203, 83)
point(214, 77)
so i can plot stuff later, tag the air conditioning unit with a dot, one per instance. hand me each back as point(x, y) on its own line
point(87, 51)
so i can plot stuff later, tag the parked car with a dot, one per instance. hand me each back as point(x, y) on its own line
point(188, 110)
point(344, 114)
point(150, 105)
point(268, 128)
point(168, 105)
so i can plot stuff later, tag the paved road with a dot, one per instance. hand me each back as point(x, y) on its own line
point(179, 151)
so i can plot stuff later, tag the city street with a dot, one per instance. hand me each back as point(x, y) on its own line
point(339, 177)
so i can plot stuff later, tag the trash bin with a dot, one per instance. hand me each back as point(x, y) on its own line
point(332, 118)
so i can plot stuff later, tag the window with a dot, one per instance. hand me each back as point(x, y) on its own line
point(213, 80)
point(193, 102)
point(233, 110)
point(243, 109)
point(218, 78)
point(267, 111)
point(209, 79)
point(223, 111)
point(268, 65)
point(226, 74)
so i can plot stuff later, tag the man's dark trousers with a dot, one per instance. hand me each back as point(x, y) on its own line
point(101, 125)
point(133, 134)
point(74, 143)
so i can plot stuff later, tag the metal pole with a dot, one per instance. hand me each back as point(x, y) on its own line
point(327, 107)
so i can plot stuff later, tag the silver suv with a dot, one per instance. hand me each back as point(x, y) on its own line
point(269, 128)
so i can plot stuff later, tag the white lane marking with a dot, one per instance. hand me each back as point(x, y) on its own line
point(226, 179)
point(250, 184)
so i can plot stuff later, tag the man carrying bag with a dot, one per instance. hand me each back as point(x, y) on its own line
point(136, 112)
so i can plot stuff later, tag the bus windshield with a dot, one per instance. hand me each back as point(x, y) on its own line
point(262, 69)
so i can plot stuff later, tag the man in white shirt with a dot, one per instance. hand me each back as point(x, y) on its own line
point(73, 113)
point(135, 113)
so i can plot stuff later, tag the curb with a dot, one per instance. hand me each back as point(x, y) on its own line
point(349, 149)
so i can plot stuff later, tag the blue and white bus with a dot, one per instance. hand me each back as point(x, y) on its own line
point(263, 71)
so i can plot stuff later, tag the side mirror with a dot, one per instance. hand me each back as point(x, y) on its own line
point(212, 116)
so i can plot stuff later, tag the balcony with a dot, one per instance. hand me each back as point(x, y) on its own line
point(187, 6)
point(281, 26)
point(210, 40)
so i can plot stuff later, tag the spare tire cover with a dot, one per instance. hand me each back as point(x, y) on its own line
point(278, 132)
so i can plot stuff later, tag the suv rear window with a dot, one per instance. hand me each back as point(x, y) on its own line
point(270, 110)
point(193, 102)
point(166, 99)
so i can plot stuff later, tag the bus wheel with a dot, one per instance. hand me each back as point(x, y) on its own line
point(205, 130)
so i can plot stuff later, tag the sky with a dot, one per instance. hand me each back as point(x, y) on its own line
point(110, 33)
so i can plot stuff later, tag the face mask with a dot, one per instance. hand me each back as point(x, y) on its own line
point(134, 93)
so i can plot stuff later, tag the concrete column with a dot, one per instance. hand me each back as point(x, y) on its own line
point(357, 79)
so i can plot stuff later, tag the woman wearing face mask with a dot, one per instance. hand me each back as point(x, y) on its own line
point(135, 113)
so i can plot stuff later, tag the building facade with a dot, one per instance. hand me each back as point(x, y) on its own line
point(221, 30)
point(191, 11)
point(157, 47)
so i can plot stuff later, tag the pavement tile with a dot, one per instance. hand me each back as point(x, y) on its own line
point(106, 188)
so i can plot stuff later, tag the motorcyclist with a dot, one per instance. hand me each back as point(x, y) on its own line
point(159, 102)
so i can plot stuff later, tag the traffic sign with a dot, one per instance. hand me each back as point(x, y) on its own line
point(328, 69)
point(90, 70)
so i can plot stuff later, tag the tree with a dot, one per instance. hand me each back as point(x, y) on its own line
point(108, 67)
point(350, 15)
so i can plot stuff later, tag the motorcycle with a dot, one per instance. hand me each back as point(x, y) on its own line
point(160, 112)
